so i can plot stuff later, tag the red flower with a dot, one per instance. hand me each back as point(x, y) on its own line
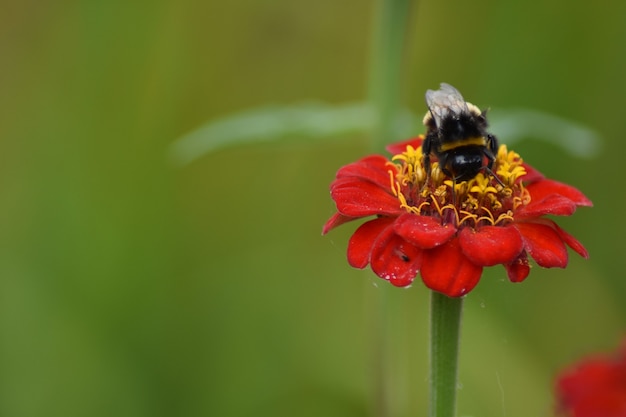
point(595, 387)
point(449, 236)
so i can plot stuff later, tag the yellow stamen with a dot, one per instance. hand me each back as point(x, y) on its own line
point(468, 216)
point(481, 199)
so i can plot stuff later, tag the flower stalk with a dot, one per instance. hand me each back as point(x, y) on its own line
point(392, 18)
point(445, 327)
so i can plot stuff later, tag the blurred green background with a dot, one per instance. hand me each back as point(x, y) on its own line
point(134, 287)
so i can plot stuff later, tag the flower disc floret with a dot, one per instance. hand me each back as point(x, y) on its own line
point(480, 201)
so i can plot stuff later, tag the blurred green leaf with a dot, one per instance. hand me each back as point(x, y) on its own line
point(271, 123)
point(319, 121)
point(514, 125)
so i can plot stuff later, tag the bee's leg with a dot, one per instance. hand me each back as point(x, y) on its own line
point(426, 149)
point(491, 159)
point(492, 148)
point(443, 165)
point(490, 151)
point(453, 190)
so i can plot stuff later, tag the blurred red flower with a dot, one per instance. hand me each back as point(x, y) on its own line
point(447, 235)
point(595, 387)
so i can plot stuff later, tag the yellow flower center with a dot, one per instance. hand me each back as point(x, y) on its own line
point(479, 201)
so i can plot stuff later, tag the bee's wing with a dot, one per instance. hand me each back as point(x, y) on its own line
point(447, 100)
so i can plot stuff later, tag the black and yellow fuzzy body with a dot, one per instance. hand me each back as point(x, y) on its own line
point(457, 135)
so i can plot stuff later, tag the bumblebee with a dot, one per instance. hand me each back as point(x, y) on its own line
point(457, 135)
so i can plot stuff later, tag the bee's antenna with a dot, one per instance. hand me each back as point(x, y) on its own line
point(486, 168)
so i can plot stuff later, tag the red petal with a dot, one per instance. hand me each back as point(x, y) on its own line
point(447, 270)
point(395, 259)
point(358, 198)
point(543, 244)
point(336, 220)
point(423, 231)
point(373, 168)
point(519, 269)
point(552, 204)
point(570, 240)
point(361, 242)
point(399, 147)
point(595, 386)
point(545, 188)
point(491, 245)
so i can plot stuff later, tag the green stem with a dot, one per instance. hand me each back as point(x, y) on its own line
point(392, 18)
point(445, 326)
